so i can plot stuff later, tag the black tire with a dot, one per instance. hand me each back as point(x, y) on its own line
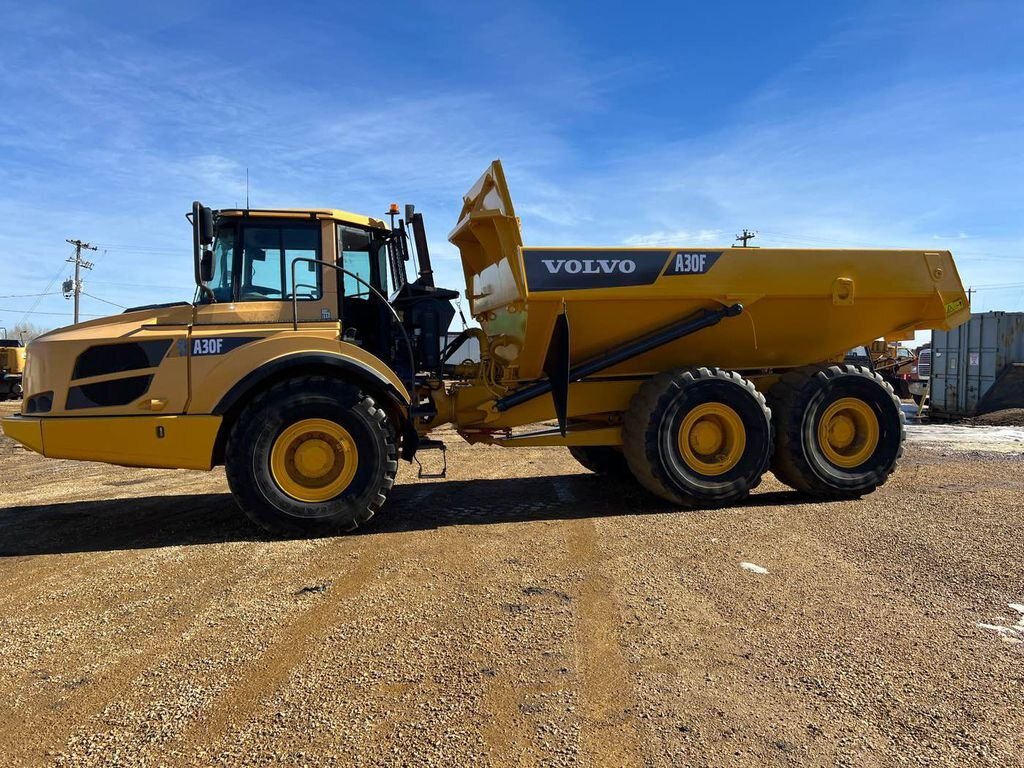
point(250, 444)
point(800, 398)
point(604, 460)
point(652, 424)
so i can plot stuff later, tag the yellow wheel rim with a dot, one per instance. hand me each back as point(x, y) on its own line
point(848, 432)
point(314, 460)
point(711, 439)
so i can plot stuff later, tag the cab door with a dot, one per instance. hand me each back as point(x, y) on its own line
point(366, 321)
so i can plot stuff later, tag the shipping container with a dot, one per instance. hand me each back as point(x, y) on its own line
point(978, 367)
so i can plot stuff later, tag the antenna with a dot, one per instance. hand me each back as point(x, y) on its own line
point(247, 188)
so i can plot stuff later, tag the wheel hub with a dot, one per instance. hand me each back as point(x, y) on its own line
point(314, 457)
point(712, 438)
point(314, 460)
point(706, 437)
point(848, 432)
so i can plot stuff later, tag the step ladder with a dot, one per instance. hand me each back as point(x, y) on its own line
point(427, 444)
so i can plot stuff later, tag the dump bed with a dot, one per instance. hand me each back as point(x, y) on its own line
point(801, 305)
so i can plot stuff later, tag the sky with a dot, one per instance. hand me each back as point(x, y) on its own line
point(853, 124)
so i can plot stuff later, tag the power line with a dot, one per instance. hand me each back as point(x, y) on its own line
point(111, 303)
point(996, 286)
point(786, 238)
point(783, 236)
point(115, 282)
point(142, 249)
point(49, 285)
point(40, 312)
point(29, 295)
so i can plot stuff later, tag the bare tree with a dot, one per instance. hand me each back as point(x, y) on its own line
point(26, 331)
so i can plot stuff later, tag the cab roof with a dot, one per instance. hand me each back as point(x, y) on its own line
point(306, 213)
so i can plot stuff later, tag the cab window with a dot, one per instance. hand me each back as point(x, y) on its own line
point(221, 283)
point(268, 251)
point(363, 255)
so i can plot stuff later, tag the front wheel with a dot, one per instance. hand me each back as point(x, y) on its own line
point(310, 457)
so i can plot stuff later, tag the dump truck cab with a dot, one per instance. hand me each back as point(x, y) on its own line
point(309, 361)
point(269, 266)
point(329, 267)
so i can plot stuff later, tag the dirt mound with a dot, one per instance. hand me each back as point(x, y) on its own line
point(1008, 417)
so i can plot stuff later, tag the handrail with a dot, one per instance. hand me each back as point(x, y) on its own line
point(379, 295)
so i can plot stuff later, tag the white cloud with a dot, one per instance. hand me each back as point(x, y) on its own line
point(677, 237)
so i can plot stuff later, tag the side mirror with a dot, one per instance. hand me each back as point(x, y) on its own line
point(202, 235)
point(206, 266)
point(410, 209)
point(205, 225)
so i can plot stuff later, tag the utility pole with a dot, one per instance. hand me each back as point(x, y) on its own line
point(745, 236)
point(75, 288)
point(970, 295)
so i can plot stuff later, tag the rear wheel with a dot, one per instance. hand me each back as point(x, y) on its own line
point(603, 460)
point(311, 456)
point(839, 430)
point(698, 437)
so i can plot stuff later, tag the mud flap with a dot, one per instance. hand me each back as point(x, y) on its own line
point(556, 368)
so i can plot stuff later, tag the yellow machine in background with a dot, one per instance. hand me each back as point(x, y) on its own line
point(309, 362)
point(12, 368)
point(890, 360)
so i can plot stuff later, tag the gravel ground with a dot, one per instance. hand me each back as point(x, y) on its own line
point(520, 612)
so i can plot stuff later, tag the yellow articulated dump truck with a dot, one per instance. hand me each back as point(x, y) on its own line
point(12, 366)
point(308, 362)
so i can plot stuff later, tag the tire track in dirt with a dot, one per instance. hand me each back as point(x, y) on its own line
point(63, 565)
point(502, 697)
point(50, 724)
point(503, 733)
point(609, 733)
point(167, 696)
point(234, 706)
point(22, 576)
point(526, 685)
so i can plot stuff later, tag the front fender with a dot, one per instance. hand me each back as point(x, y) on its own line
point(300, 363)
